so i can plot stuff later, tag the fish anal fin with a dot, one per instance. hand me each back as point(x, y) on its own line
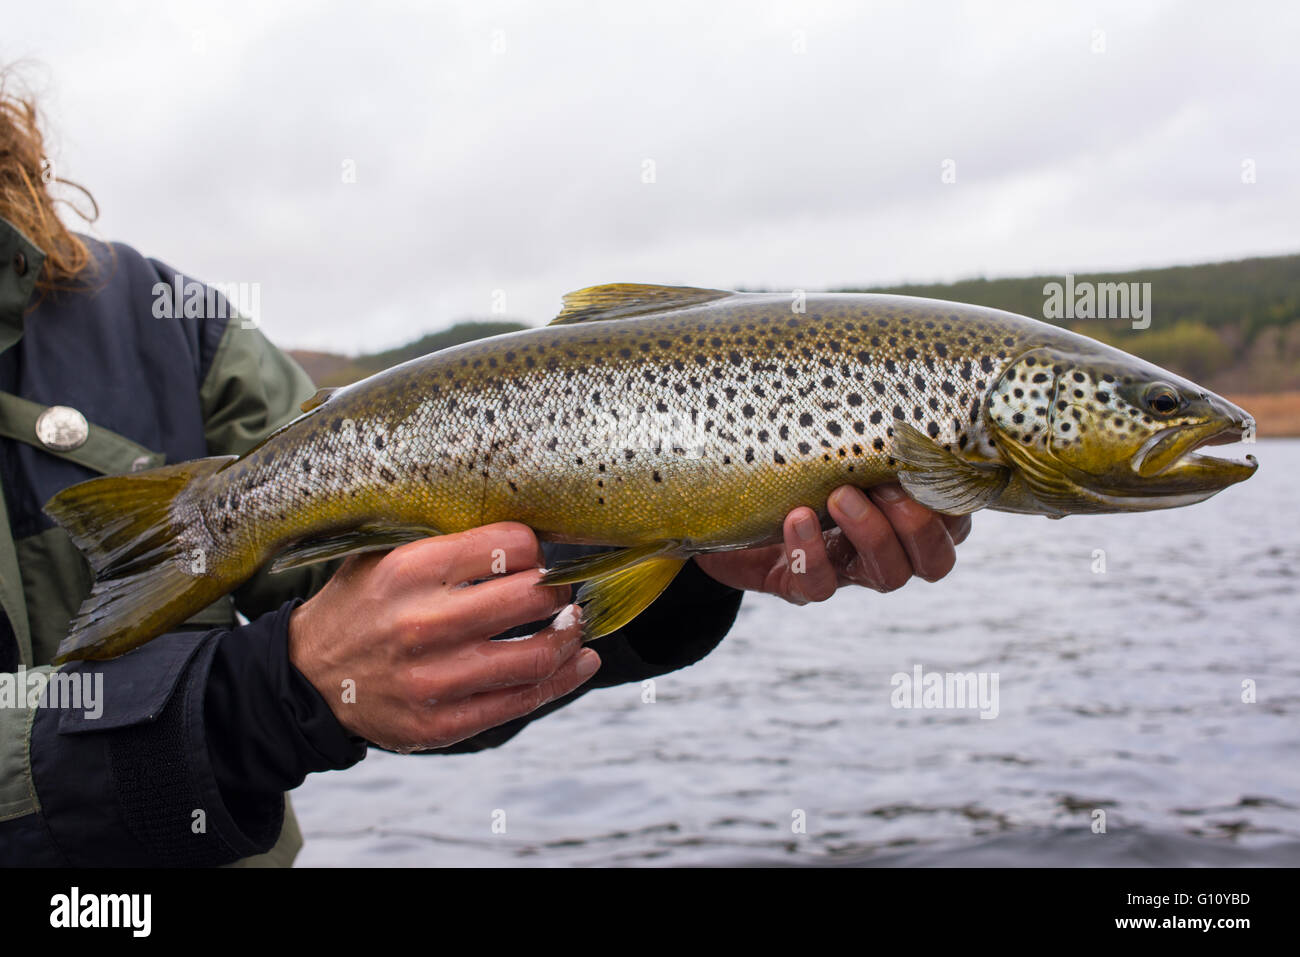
point(605, 563)
point(940, 479)
point(364, 538)
point(610, 602)
point(619, 584)
point(619, 300)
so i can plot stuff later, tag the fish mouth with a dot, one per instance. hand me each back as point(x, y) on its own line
point(1174, 453)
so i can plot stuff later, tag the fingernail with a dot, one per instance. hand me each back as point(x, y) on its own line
point(852, 503)
point(806, 528)
point(890, 493)
point(588, 662)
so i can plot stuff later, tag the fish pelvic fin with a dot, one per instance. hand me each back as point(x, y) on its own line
point(940, 480)
point(145, 579)
point(620, 300)
point(619, 585)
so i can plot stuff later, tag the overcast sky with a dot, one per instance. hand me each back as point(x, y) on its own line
point(501, 150)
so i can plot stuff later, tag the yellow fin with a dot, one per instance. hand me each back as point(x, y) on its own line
point(619, 584)
point(319, 399)
point(125, 526)
point(610, 602)
point(940, 480)
point(619, 300)
point(604, 563)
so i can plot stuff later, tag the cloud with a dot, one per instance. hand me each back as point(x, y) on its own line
point(502, 147)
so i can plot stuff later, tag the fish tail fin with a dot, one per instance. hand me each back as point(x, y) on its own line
point(148, 576)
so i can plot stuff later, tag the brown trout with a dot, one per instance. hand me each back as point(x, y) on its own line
point(665, 422)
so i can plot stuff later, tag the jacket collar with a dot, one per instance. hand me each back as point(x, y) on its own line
point(20, 263)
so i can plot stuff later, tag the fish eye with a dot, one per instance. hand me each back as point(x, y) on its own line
point(1162, 399)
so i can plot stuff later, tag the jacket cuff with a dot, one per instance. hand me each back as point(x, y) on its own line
point(269, 726)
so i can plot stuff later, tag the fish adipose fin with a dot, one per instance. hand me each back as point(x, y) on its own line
point(619, 585)
point(363, 538)
point(940, 480)
point(619, 300)
point(319, 399)
point(145, 582)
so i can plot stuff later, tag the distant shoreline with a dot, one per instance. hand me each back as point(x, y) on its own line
point(1277, 414)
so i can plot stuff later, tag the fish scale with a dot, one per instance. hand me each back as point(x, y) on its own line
point(662, 421)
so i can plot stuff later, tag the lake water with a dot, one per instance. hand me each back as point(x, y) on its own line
point(1119, 691)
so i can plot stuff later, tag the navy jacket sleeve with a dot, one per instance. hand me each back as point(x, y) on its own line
point(199, 736)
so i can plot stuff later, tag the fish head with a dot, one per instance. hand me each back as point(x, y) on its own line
point(1098, 430)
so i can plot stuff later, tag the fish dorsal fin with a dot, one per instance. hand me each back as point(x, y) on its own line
point(940, 480)
point(319, 399)
point(621, 299)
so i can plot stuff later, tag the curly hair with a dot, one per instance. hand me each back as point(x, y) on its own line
point(27, 186)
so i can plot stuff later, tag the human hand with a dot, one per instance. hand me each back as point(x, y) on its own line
point(412, 635)
point(882, 539)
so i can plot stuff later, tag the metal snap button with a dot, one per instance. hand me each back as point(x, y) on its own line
point(62, 428)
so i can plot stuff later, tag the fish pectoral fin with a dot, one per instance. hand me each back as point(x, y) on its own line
point(941, 480)
point(619, 300)
point(619, 584)
point(319, 399)
point(363, 538)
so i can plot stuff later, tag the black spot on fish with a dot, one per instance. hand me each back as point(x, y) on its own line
point(833, 428)
point(854, 399)
point(656, 476)
point(876, 417)
point(933, 429)
point(804, 448)
point(806, 419)
point(777, 458)
point(878, 444)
